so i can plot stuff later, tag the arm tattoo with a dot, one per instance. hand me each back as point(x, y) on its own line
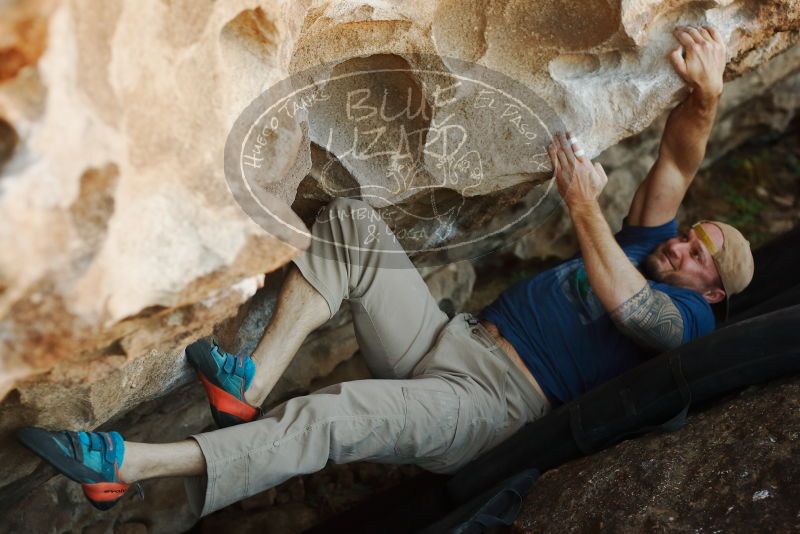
point(651, 319)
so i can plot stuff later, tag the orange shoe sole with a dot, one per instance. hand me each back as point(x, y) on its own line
point(227, 409)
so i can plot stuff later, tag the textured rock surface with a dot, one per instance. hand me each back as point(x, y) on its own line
point(120, 239)
point(329, 356)
point(766, 99)
point(335, 342)
point(733, 468)
point(113, 201)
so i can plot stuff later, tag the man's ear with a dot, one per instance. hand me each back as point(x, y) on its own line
point(714, 295)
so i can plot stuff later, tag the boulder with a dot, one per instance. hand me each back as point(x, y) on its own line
point(122, 235)
point(765, 100)
point(732, 468)
point(329, 356)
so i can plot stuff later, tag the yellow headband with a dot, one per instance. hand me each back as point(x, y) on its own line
point(701, 233)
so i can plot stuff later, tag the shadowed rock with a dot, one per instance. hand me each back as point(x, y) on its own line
point(732, 468)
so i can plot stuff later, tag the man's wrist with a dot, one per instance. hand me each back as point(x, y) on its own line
point(583, 208)
point(706, 99)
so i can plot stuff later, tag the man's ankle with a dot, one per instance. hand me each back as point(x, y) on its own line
point(254, 396)
point(129, 471)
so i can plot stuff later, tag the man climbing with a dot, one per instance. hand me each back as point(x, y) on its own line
point(447, 390)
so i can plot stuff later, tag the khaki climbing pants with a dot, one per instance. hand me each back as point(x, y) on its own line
point(444, 392)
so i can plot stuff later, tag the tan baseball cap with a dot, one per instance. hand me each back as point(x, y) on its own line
point(734, 260)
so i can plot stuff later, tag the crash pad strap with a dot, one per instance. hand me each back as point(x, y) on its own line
point(502, 509)
point(626, 397)
point(576, 426)
point(585, 443)
point(677, 421)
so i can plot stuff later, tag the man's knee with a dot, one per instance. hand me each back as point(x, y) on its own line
point(348, 204)
point(362, 420)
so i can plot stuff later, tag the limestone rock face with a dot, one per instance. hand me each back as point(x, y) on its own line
point(328, 357)
point(766, 99)
point(113, 120)
point(732, 468)
point(120, 239)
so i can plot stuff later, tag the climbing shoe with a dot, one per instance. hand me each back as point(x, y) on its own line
point(225, 378)
point(91, 458)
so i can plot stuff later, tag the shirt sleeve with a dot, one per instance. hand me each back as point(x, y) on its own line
point(698, 318)
point(639, 241)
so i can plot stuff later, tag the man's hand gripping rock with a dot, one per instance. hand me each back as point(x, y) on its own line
point(700, 59)
point(579, 180)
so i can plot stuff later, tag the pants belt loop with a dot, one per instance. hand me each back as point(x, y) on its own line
point(479, 333)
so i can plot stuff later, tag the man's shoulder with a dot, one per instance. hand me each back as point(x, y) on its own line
point(698, 316)
point(639, 241)
point(632, 234)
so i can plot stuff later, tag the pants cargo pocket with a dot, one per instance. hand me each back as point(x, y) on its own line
point(488, 416)
point(431, 418)
point(503, 425)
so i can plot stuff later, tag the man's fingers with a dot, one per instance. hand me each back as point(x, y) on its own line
point(706, 35)
point(696, 35)
point(563, 161)
point(556, 157)
point(684, 38)
point(715, 34)
point(551, 151)
point(566, 148)
point(576, 147)
point(678, 61)
point(599, 168)
point(601, 171)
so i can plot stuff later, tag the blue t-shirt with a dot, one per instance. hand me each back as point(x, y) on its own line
point(565, 336)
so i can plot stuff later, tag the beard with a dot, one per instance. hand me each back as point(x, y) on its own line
point(654, 270)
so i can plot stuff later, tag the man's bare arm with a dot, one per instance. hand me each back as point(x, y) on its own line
point(688, 127)
point(646, 315)
point(650, 318)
